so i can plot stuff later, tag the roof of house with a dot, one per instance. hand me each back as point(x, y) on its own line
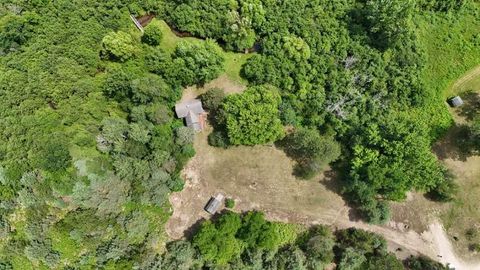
point(193, 120)
point(456, 101)
point(183, 109)
point(214, 203)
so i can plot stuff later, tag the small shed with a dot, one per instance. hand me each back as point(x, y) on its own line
point(214, 203)
point(193, 113)
point(455, 101)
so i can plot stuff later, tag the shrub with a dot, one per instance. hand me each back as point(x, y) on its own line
point(212, 99)
point(184, 136)
point(153, 34)
point(311, 151)
point(118, 46)
point(218, 139)
point(445, 190)
point(471, 234)
point(229, 203)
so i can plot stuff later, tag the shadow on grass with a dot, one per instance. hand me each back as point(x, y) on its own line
point(471, 106)
point(455, 144)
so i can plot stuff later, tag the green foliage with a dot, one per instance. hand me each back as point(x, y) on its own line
point(319, 247)
point(252, 117)
point(106, 196)
point(389, 20)
point(217, 246)
point(118, 45)
point(351, 259)
point(181, 255)
point(218, 139)
point(229, 203)
point(445, 190)
point(153, 34)
point(311, 150)
point(390, 159)
point(196, 63)
point(340, 68)
point(225, 240)
point(212, 99)
point(424, 263)
point(474, 134)
point(54, 154)
point(240, 34)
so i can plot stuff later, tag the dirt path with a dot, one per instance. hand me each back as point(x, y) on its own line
point(301, 202)
point(258, 178)
point(446, 253)
point(188, 211)
point(474, 73)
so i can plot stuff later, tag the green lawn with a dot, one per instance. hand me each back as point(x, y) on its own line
point(449, 47)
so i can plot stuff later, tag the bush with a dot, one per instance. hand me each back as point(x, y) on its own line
point(218, 139)
point(153, 34)
point(423, 263)
point(445, 190)
point(471, 234)
point(118, 46)
point(54, 154)
point(475, 247)
point(229, 203)
point(212, 99)
point(311, 151)
point(184, 136)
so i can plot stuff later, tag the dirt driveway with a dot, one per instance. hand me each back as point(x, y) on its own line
point(260, 178)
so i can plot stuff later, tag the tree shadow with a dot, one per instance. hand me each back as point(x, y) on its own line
point(471, 106)
point(192, 230)
point(331, 181)
point(455, 144)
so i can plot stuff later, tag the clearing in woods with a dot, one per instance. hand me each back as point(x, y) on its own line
point(260, 178)
point(463, 214)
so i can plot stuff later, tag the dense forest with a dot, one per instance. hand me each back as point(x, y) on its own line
point(90, 149)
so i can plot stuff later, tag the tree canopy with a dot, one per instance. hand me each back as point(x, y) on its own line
point(253, 117)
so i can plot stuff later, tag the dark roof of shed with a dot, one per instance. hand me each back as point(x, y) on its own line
point(214, 204)
point(455, 101)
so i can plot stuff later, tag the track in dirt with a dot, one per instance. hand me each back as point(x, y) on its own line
point(188, 210)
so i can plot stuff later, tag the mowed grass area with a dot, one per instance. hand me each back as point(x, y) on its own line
point(453, 68)
point(452, 47)
point(451, 43)
point(257, 178)
point(233, 61)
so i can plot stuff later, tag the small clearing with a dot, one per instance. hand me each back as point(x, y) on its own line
point(223, 82)
point(260, 178)
point(469, 82)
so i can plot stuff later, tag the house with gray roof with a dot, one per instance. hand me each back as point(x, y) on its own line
point(193, 113)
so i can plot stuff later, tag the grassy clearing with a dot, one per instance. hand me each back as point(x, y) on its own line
point(464, 214)
point(258, 177)
point(233, 61)
point(449, 40)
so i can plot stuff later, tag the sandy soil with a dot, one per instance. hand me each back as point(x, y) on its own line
point(287, 200)
point(222, 82)
point(259, 178)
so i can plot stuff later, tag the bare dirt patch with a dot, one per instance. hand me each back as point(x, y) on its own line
point(260, 178)
point(257, 177)
point(223, 82)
